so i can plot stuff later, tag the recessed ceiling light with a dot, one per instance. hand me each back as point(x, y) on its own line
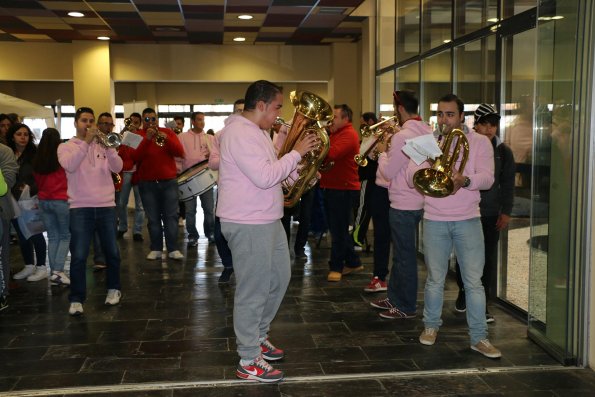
point(102, 38)
point(239, 39)
point(446, 41)
point(245, 17)
point(76, 14)
point(557, 17)
point(493, 20)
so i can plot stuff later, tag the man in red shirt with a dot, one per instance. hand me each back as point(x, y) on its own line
point(341, 186)
point(156, 171)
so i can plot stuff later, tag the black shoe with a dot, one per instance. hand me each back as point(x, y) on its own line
point(192, 242)
point(3, 303)
point(137, 237)
point(225, 275)
point(489, 318)
point(120, 235)
point(461, 303)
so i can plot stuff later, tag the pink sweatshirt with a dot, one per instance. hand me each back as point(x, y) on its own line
point(196, 149)
point(464, 204)
point(392, 166)
point(250, 175)
point(88, 170)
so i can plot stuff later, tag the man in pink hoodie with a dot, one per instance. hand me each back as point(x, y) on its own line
point(250, 206)
point(406, 210)
point(454, 222)
point(91, 196)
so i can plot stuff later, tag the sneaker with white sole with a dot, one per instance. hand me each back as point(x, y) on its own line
point(487, 349)
point(270, 352)
point(376, 285)
point(41, 272)
point(428, 336)
point(76, 309)
point(395, 313)
point(59, 278)
point(177, 255)
point(154, 255)
point(26, 272)
point(113, 297)
point(259, 370)
point(383, 304)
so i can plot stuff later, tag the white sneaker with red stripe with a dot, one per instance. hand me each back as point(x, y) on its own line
point(259, 370)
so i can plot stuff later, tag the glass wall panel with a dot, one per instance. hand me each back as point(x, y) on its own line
point(513, 7)
point(472, 15)
point(408, 78)
point(386, 33)
point(386, 85)
point(475, 71)
point(518, 76)
point(436, 82)
point(408, 23)
point(437, 23)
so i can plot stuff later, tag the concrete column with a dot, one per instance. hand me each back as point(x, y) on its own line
point(91, 72)
point(345, 81)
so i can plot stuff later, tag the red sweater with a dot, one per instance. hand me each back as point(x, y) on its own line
point(344, 146)
point(52, 186)
point(155, 163)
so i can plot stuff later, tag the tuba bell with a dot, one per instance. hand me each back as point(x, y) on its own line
point(311, 114)
point(436, 181)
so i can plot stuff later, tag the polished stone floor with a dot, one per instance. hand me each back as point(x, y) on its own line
point(172, 335)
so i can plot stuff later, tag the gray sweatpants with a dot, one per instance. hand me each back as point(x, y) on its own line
point(262, 269)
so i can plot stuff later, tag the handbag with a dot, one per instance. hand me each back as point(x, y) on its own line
point(29, 219)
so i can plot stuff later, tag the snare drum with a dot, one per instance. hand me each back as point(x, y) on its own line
point(196, 180)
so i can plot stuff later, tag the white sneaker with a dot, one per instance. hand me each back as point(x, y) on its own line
point(113, 297)
point(59, 278)
point(26, 272)
point(154, 255)
point(177, 255)
point(41, 272)
point(76, 309)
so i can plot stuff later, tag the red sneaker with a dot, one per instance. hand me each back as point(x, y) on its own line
point(260, 371)
point(376, 285)
point(270, 352)
point(383, 304)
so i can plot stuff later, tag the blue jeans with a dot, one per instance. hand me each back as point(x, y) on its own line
point(402, 284)
point(467, 239)
point(339, 204)
point(160, 199)
point(207, 202)
point(37, 242)
point(55, 215)
point(139, 212)
point(84, 222)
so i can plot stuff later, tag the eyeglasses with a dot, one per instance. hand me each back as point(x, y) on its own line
point(148, 119)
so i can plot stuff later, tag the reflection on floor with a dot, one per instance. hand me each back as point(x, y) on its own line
point(174, 324)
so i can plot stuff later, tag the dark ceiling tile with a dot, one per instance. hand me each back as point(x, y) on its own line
point(283, 20)
point(7, 37)
point(270, 39)
point(207, 9)
point(322, 21)
point(16, 4)
point(119, 14)
point(203, 15)
point(242, 28)
point(247, 9)
point(205, 37)
point(354, 19)
point(130, 30)
point(340, 3)
point(248, 3)
point(158, 7)
point(89, 27)
point(10, 24)
point(294, 2)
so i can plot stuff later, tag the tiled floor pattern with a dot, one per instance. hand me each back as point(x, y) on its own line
point(174, 324)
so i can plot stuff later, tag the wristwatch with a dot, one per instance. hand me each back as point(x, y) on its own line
point(467, 182)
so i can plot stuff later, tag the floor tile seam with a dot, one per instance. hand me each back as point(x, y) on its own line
point(155, 386)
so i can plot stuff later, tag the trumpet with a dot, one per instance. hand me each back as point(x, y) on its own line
point(383, 133)
point(158, 137)
point(111, 140)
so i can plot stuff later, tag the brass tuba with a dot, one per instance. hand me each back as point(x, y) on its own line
point(311, 113)
point(382, 132)
point(437, 180)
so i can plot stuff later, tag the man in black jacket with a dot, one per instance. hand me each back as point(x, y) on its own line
point(496, 203)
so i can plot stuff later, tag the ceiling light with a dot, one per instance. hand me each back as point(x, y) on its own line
point(557, 17)
point(239, 39)
point(245, 16)
point(446, 41)
point(102, 38)
point(76, 14)
point(493, 20)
